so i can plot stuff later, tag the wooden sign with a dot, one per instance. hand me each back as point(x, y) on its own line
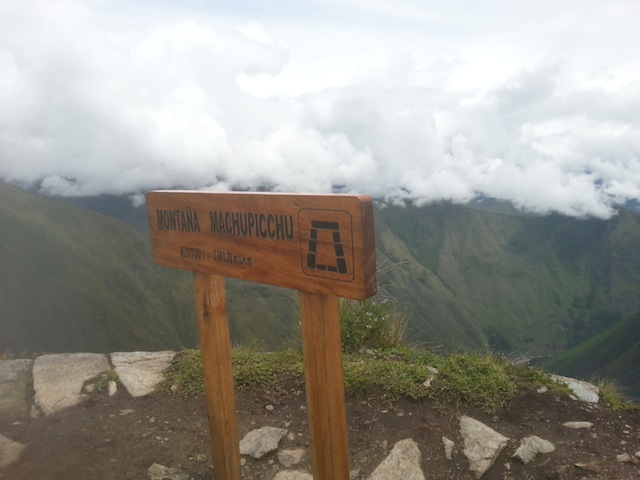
point(321, 245)
point(312, 243)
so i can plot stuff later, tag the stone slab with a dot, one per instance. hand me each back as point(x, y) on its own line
point(15, 377)
point(584, 391)
point(141, 372)
point(58, 378)
point(10, 451)
point(482, 445)
point(402, 462)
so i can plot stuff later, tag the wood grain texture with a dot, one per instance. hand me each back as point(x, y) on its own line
point(215, 348)
point(324, 385)
point(312, 243)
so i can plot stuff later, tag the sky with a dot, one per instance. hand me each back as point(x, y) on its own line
point(532, 102)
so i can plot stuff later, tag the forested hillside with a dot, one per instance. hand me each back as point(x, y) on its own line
point(479, 277)
point(72, 280)
point(511, 283)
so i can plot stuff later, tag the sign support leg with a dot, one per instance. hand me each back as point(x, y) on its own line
point(324, 385)
point(215, 348)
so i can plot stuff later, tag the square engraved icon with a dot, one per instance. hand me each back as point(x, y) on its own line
point(326, 244)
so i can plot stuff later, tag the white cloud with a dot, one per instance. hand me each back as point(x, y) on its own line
point(537, 106)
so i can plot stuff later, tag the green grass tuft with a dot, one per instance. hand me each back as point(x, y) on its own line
point(481, 381)
point(614, 395)
point(486, 382)
point(371, 324)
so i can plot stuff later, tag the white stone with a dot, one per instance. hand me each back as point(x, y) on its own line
point(584, 391)
point(403, 462)
point(482, 445)
point(10, 451)
point(577, 425)
point(112, 388)
point(160, 472)
point(141, 372)
point(626, 458)
point(58, 378)
point(531, 446)
point(448, 447)
point(258, 443)
point(293, 475)
point(288, 458)
point(433, 374)
point(15, 375)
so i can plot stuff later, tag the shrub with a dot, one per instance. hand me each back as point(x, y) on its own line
point(372, 324)
point(482, 381)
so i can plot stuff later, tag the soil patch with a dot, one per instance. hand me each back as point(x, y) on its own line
point(121, 437)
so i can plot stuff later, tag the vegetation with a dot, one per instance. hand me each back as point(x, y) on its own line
point(476, 279)
point(612, 354)
point(372, 324)
point(613, 395)
point(484, 381)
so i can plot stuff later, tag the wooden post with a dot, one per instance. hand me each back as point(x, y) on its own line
point(215, 348)
point(324, 385)
point(321, 245)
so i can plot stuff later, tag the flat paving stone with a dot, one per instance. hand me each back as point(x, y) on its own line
point(15, 377)
point(58, 378)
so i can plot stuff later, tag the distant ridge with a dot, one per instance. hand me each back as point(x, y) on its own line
point(72, 280)
point(475, 277)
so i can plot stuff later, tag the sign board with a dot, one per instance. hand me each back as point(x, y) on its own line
point(312, 243)
point(321, 245)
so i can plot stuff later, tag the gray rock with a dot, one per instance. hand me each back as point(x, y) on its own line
point(482, 445)
point(626, 458)
point(590, 465)
point(433, 373)
point(577, 425)
point(531, 446)
point(58, 378)
point(584, 391)
point(293, 475)
point(258, 443)
point(288, 458)
point(448, 447)
point(403, 462)
point(160, 472)
point(10, 451)
point(141, 372)
point(15, 376)
point(112, 388)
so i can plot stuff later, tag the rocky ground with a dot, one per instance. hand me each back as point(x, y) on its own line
point(121, 437)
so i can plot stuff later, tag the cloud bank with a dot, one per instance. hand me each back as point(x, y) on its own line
point(91, 104)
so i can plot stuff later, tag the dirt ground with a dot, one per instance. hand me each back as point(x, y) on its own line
point(121, 437)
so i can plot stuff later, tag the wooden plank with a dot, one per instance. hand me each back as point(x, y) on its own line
point(313, 243)
point(324, 385)
point(215, 349)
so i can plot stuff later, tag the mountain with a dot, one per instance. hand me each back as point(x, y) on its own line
point(612, 354)
point(476, 276)
point(72, 280)
point(510, 283)
point(470, 277)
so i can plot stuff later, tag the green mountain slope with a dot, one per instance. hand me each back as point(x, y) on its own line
point(72, 280)
point(471, 277)
point(612, 354)
point(526, 284)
